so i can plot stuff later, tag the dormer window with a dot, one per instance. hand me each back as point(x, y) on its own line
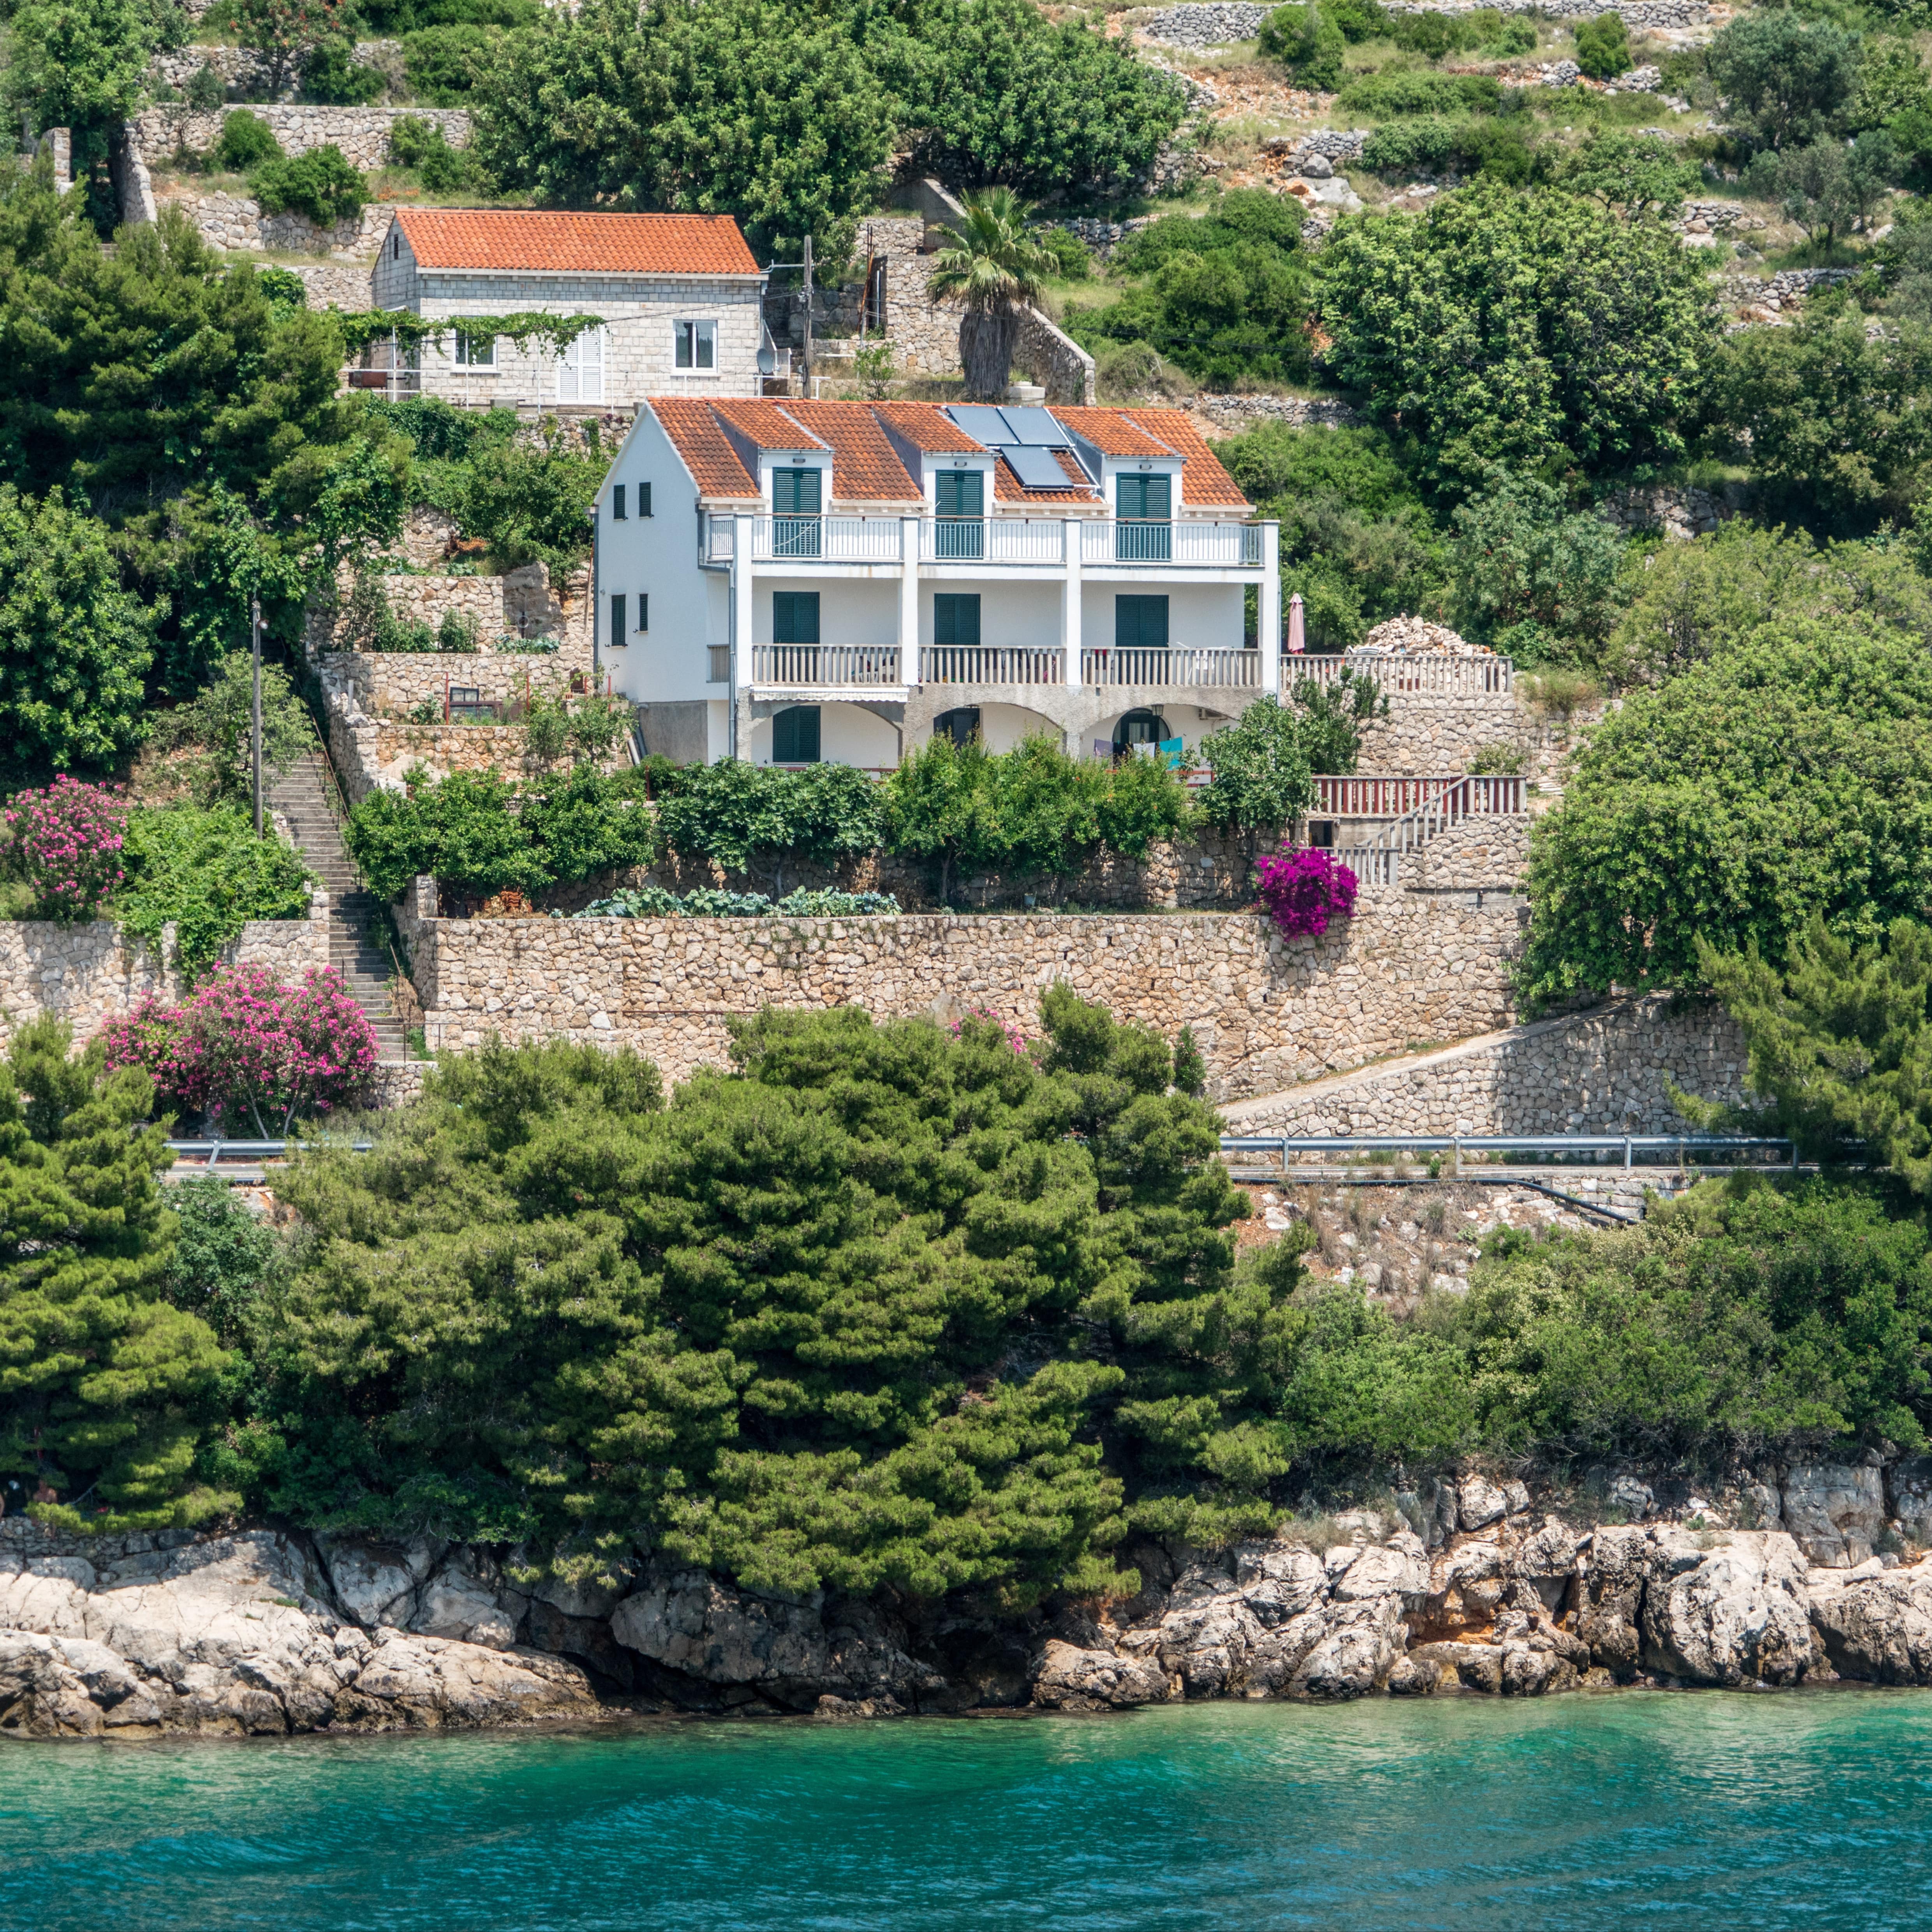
point(796, 530)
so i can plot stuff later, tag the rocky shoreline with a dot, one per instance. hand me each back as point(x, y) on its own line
point(1808, 1574)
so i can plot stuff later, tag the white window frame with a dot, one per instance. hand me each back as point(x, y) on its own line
point(464, 350)
point(693, 335)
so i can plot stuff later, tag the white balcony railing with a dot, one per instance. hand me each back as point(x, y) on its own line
point(1018, 540)
point(1367, 795)
point(1190, 545)
point(990, 664)
point(804, 666)
point(1185, 664)
point(1405, 670)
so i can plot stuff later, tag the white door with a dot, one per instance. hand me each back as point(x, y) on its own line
point(580, 377)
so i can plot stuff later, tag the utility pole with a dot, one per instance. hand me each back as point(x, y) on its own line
point(807, 318)
point(255, 729)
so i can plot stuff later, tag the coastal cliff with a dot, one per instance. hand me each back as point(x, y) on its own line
point(1476, 1586)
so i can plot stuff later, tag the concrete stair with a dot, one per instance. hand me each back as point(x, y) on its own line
point(357, 947)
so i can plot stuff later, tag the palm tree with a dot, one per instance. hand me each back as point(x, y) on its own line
point(996, 268)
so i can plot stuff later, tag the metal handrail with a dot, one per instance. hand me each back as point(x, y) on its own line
point(1628, 1145)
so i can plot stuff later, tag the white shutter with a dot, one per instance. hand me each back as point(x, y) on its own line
point(580, 377)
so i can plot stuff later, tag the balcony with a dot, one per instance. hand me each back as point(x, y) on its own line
point(1182, 665)
point(1406, 671)
point(991, 664)
point(827, 667)
point(996, 540)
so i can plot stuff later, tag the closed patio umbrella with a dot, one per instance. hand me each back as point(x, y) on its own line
point(1297, 637)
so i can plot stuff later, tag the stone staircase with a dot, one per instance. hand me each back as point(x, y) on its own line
point(357, 949)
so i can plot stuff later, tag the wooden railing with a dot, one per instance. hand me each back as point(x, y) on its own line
point(1365, 795)
point(1185, 665)
point(990, 664)
point(848, 666)
point(1408, 671)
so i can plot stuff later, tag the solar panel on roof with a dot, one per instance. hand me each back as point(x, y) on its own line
point(982, 423)
point(1037, 469)
point(1029, 423)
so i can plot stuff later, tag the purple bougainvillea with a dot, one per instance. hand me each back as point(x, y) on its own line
point(244, 1045)
point(67, 842)
point(1304, 890)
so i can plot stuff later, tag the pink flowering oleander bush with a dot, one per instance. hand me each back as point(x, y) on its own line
point(1304, 890)
point(1014, 1037)
point(245, 1047)
point(68, 844)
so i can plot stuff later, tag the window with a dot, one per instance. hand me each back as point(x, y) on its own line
point(643, 499)
point(695, 345)
point(794, 616)
point(580, 377)
point(617, 619)
point(476, 352)
point(1140, 623)
point(961, 726)
point(956, 619)
point(395, 248)
point(1145, 499)
point(795, 735)
point(1139, 728)
point(960, 492)
point(644, 611)
point(875, 294)
point(795, 527)
point(618, 513)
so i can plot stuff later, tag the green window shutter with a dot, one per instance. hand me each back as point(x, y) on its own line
point(795, 736)
point(794, 616)
point(956, 619)
point(1146, 498)
point(795, 493)
point(1140, 623)
point(960, 492)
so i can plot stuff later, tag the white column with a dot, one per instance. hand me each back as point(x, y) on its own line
point(909, 600)
point(1069, 603)
point(1269, 615)
point(741, 623)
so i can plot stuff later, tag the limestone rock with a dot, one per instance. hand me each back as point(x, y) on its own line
point(1613, 1570)
point(1399, 1568)
point(1878, 1628)
point(457, 1604)
point(1733, 1614)
point(1476, 1666)
point(1479, 1503)
point(1912, 1496)
point(1835, 1510)
point(372, 1585)
point(1413, 1677)
point(1072, 1679)
point(779, 1646)
point(1357, 1649)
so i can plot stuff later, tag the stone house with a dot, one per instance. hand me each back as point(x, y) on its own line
point(681, 295)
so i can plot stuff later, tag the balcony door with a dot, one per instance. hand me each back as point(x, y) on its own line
point(959, 505)
point(795, 736)
point(795, 642)
point(1140, 623)
point(1144, 506)
point(796, 530)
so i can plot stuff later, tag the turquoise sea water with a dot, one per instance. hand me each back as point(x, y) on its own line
point(1634, 1809)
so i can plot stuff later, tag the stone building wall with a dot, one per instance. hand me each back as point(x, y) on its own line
point(362, 134)
point(1486, 854)
point(1601, 1072)
point(1267, 1012)
point(390, 684)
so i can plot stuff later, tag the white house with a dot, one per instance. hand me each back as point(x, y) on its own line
point(680, 295)
point(788, 581)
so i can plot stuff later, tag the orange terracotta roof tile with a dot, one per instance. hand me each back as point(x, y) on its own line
point(1113, 432)
point(699, 438)
point(929, 429)
point(866, 468)
point(771, 425)
point(1007, 487)
point(1202, 479)
point(601, 244)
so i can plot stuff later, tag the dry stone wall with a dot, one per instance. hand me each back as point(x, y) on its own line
point(1267, 1011)
point(362, 134)
point(236, 222)
point(1603, 1072)
point(1442, 731)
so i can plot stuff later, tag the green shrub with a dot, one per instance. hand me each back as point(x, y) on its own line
point(205, 869)
point(205, 90)
point(334, 77)
point(1358, 19)
point(1301, 38)
point(320, 183)
point(1074, 259)
point(442, 65)
point(1383, 96)
point(246, 141)
point(1603, 46)
point(416, 143)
